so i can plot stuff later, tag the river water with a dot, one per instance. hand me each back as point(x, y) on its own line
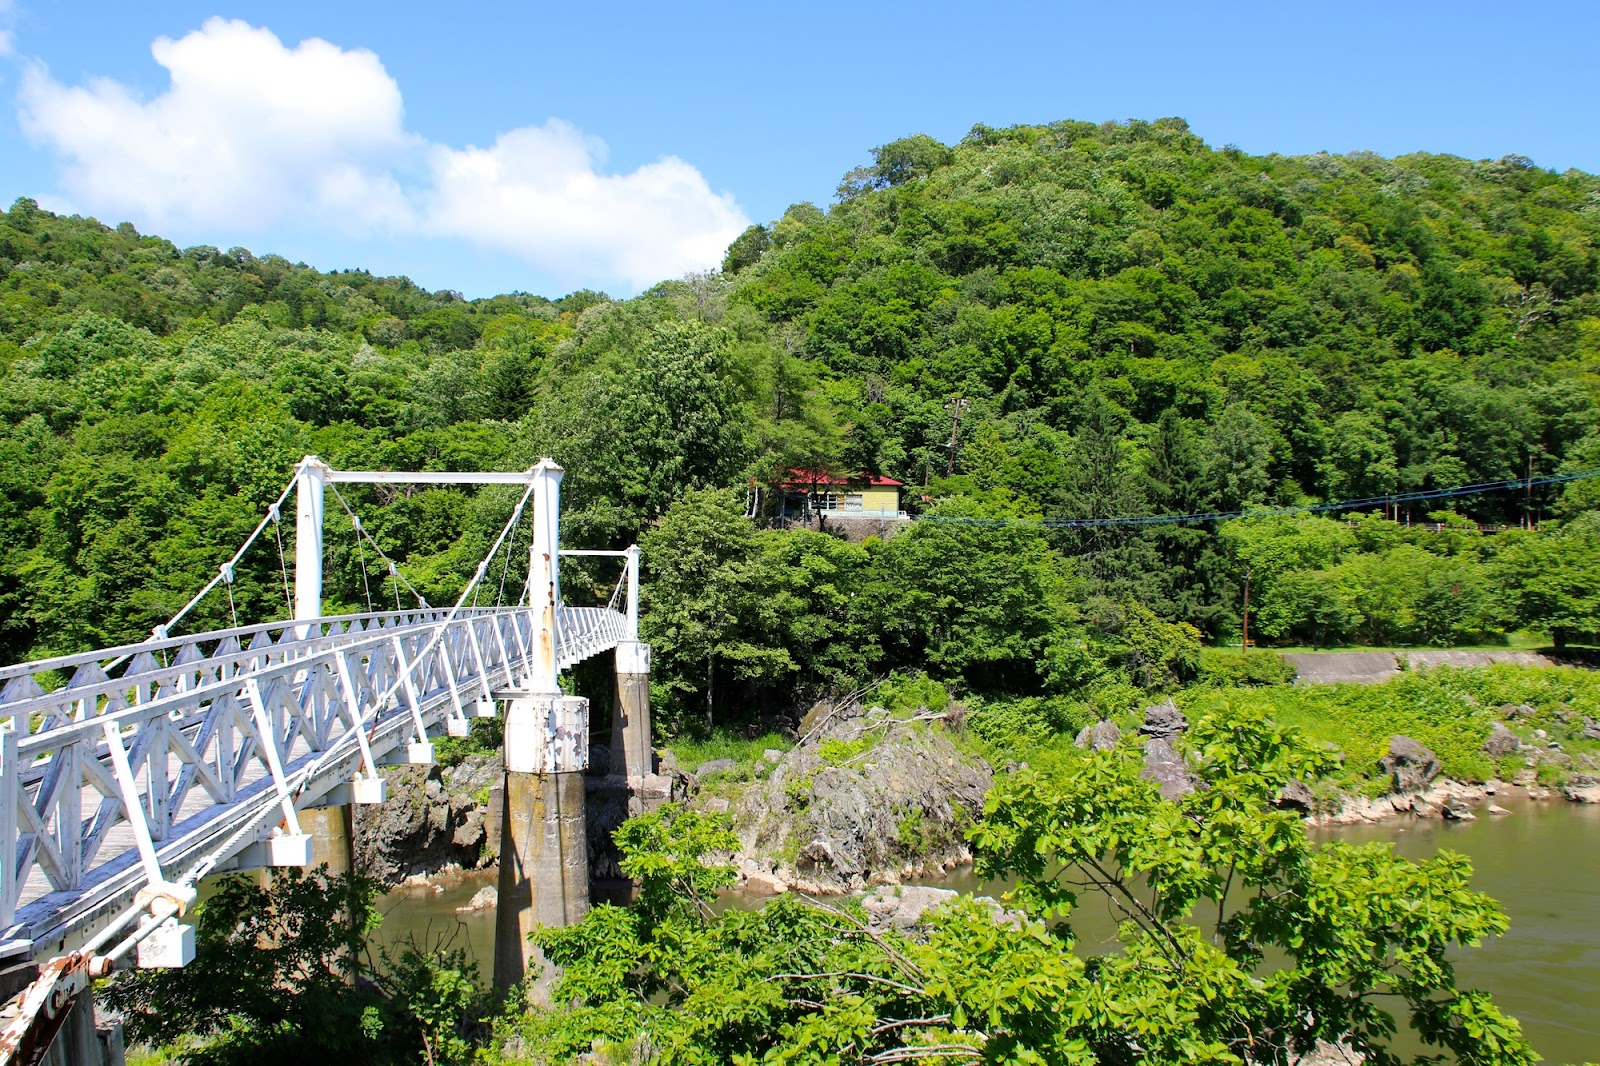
point(1542, 862)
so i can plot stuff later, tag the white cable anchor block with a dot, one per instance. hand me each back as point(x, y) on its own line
point(169, 946)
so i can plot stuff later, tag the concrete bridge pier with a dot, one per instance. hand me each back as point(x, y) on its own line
point(630, 719)
point(544, 840)
point(332, 839)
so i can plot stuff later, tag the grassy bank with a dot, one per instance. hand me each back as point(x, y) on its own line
point(1450, 710)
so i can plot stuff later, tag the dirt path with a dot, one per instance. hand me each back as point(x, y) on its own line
point(1371, 667)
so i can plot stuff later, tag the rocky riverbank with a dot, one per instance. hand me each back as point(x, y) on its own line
point(1410, 773)
point(436, 819)
point(866, 798)
point(871, 798)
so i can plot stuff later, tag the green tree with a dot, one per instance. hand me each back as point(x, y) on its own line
point(1360, 461)
point(300, 932)
point(1240, 939)
point(706, 614)
point(974, 592)
point(1554, 578)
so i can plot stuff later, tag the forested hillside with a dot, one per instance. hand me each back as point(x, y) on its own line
point(1128, 321)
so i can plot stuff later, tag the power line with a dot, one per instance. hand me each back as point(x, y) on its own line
point(1419, 495)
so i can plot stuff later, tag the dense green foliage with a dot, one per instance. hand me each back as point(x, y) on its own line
point(280, 975)
point(1239, 941)
point(1134, 324)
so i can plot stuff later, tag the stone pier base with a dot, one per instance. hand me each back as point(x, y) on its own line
point(331, 837)
point(544, 871)
point(631, 751)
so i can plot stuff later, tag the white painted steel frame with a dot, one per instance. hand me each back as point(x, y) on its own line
point(200, 722)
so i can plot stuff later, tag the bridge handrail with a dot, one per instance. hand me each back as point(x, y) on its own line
point(159, 706)
point(136, 672)
point(268, 706)
point(153, 645)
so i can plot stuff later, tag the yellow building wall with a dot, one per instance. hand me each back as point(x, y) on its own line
point(880, 499)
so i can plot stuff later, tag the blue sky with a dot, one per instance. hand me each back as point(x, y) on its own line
point(496, 147)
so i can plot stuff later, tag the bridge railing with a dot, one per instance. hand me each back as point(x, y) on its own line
point(158, 761)
point(132, 671)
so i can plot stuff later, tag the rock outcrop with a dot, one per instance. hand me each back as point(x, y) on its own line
point(1164, 721)
point(1501, 742)
point(1166, 767)
point(894, 810)
point(433, 818)
point(1410, 765)
point(1296, 796)
point(1102, 736)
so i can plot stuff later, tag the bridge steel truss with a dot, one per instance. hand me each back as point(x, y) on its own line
point(194, 758)
point(159, 763)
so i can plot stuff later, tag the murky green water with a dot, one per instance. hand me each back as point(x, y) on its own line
point(1542, 862)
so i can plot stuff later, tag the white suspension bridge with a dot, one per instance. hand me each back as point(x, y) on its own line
point(159, 763)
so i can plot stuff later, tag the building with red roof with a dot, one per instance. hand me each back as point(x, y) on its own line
point(842, 495)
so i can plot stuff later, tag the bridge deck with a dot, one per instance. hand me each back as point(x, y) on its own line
point(205, 742)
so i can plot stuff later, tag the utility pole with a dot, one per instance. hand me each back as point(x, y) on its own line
point(956, 405)
point(1527, 499)
point(1244, 640)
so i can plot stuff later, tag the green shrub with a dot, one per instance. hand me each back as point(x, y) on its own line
point(910, 693)
point(1359, 720)
point(838, 752)
point(484, 738)
point(1028, 721)
point(1226, 667)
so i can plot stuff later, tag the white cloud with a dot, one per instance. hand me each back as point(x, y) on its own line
point(538, 194)
point(249, 134)
point(253, 136)
point(7, 40)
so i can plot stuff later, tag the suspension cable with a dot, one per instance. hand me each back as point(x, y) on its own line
point(225, 571)
point(499, 596)
point(394, 570)
point(283, 562)
point(439, 627)
point(361, 553)
point(211, 860)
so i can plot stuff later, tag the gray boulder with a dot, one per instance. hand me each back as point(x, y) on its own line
point(1164, 721)
point(714, 766)
point(1410, 765)
point(486, 898)
point(1296, 796)
point(1456, 809)
point(1501, 742)
point(1582, 788)
point(899, 809)
point(1591, 729)
point(1164, 766)
point(1102, 736)
point(903, 907)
